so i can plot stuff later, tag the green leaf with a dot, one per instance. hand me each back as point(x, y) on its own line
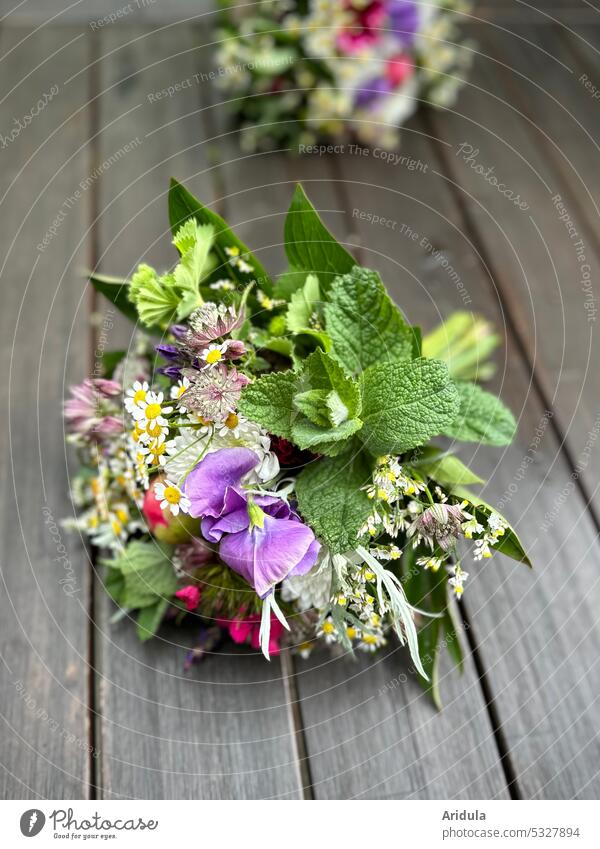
point(194, 242)
point(323, 440)
point(405, 404)
point(509, 544)
point(288, 283)
point(331, 500)
point(449, 470)
point(313, 404)
point(149, 619)
point(270, 402)
point(464, 341)
point(323, 372)
point(302, 305)
point(481, 418)
point(183, 205)
point(117, 292)
point(310, 246)
point(148, 573)
point(114, 583)
point(364, 324)
point(156, 299)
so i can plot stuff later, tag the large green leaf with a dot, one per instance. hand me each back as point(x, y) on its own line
point(405, 404)
point(448, 470)
point(331, 500)
point(364, 324)
point(481, 417)
point(149, 619)
point(309, 246)
point(270, 402)
point(148, 573)
point(183, 205)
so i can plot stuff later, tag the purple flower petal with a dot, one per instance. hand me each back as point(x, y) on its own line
point(206, 486)
point(265, 556)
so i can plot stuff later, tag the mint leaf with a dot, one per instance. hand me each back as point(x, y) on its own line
point(313, 404)
point(183, 206)
point(405, 404)
point(481, 417)
point(509, 544)
point(321, 371)
point(323, 440)
point(148, 574)
point(331, 500)
point(303, 304)
point(449, 471)
point(309, 246)
point(270, 402)
point(364, 324)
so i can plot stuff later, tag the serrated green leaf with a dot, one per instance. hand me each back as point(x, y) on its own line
point(323, 372)
point(509, 544)
point(310, 246)
point(338, 411)
point(307, 435)
point(364, 324)
point(405, 404)
point(449, 470)
point(116, 290)
point(313, 404)
point(194, 241)
point(331, 500)
point(149, 619)
point(481, 417)
point(270, 402)
point(183, 206)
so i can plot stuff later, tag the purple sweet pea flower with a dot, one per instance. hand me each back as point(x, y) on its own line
point(404, 19)
point(259, 536)
point(216, 480)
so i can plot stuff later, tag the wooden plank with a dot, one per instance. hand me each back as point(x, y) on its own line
point(44, 597)
point(222, 730)
point(535, 259)
point(547, 706)
point(102, 14)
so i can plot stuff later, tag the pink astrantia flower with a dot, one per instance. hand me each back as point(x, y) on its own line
point(190, 595)
point(211, 322)
point(215, 392)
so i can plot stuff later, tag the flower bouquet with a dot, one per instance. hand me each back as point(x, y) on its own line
point(262, 460)
point(304, 70)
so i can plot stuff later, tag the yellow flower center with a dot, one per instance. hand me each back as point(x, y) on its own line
point(232, 421)
point(328, 628)
point(116, 526)
point(180, 391)
point(351, 632)
point(370, 639)
point(172, 495)
point(139, 396)
point(152, 411)
point(122, 515)
point(153, 430)
point(214, 356)
point(157, 450)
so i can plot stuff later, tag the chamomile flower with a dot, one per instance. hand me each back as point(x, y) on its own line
point(152, 410)
point(222, 286)
point(136, 396)
point(328, 631)
point(171, 497)
point(213, 354)
point(266, 302)
point(370, 642)
point(155, 452)
point(457, 580)
point(178, 391)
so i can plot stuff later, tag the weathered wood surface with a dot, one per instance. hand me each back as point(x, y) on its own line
point(44, 591)
point(233, 726)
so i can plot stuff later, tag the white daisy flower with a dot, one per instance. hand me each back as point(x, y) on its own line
point(214, 353)
point(155, 451)
point(136, 396)
point(171, 497)
point(178, 390)
point(151, 410)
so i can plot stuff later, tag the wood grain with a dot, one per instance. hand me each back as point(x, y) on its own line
point(44, 733)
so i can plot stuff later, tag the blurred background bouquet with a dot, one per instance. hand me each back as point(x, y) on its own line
point(299, 71)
